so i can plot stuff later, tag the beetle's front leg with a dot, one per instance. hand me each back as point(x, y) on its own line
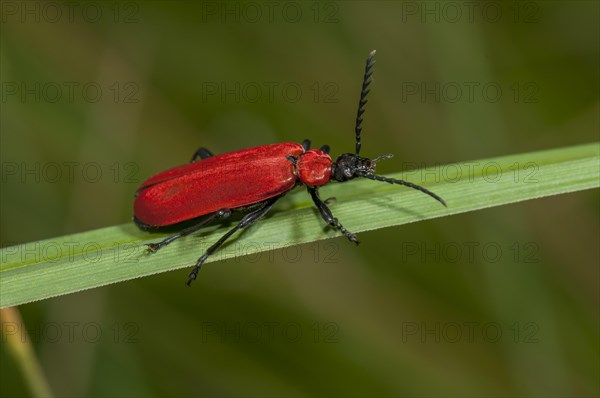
point(328, 216)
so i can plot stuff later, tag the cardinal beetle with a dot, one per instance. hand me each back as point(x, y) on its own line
point(251, 181)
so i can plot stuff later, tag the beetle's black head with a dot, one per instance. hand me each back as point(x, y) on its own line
point(348, 166)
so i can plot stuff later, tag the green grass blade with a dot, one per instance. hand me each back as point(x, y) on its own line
point(52, 267)
point(19, 344)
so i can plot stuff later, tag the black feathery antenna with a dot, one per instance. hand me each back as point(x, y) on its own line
point(363, 97)
point(405, 183)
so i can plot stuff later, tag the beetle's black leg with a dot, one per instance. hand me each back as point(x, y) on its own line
point(292, 159)
point(201, 153)
point(328, 217)
point(306, 145)
point(223, 213)
point(246, 221)
point(325, 148)
point(330, 200)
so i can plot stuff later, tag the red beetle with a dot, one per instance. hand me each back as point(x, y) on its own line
point(251, 180)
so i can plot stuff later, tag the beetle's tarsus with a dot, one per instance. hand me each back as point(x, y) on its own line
point(351, 237)
point(192, 277)
point(152, 247)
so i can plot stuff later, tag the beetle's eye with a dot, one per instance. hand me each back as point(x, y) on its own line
point(348, 172)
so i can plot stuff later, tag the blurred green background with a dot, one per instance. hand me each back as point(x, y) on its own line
point(96, 97)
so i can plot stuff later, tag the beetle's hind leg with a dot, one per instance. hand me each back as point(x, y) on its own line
point(246, 221)
point(223, 213)
point(201, 153)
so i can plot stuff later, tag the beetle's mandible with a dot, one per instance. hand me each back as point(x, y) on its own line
point(251, 181)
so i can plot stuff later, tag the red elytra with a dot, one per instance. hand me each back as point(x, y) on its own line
point(251, 181)
point(231, 180)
